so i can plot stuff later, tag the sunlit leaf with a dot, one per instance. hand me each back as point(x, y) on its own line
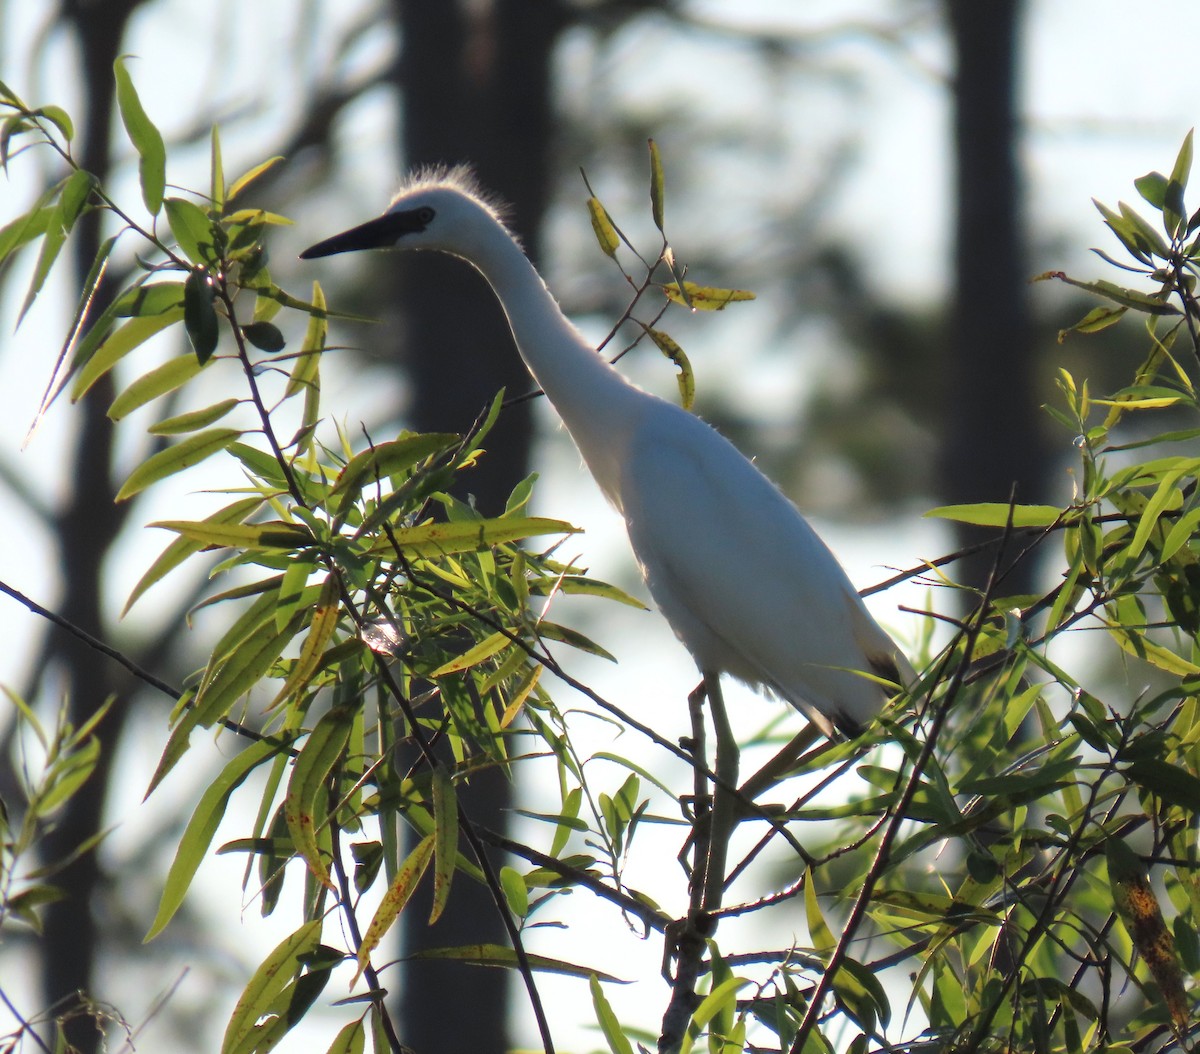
point(146, 140)
point(398, 895)
point(445, 820)
point(656, 185)
point(182, 455)
point(201, 828)
point(119, 343)
point(189, 422)
point(999, 514)
point(168, 377)
point(305, 802)
point(602, 225)
point(704, 297)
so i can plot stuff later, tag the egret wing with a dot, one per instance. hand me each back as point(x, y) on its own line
point(744, 580)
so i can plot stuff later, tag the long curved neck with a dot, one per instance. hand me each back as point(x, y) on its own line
point(597, 405)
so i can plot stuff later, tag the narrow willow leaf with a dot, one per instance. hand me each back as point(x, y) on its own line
point(193, 230)
point(304, 373)
point(485, 649)
point(997, 514)
point(500, 956)
point(1174, 210)
point(719, 1000)
point(201, 828)
point(656, 185)
point(274, 535)
point(574, 639)
point(58, 117)
point(1099, 318)
point(1153, 188)
point(398, 895)
point(119, 343)
point(445, 828)
point(52, 242)
point(1134, 298)
point(818, 929)
point(384, 460)
point(1169, 782)
point(170, 376)
point(146, 140)
point(189, 422)
point(1155, 654)
point(216, 191)
point(686, 378)
point(183, 455)
point(1139, 912)
point(435, 539)
point(614, 1035)
point(704, 297)
point(238, 673)
point(181, 548)
point(324, 623)
point(59, 376)
point(200, 319)
point(516, 893)
point(304, 803)
point(581, 585)
point(269, 980)
point(149, 299)
point(242, 182)
point(25, 229)
point(351, 1039)
point(602, 225)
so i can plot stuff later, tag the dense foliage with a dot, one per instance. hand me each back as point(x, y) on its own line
point(1013, 835)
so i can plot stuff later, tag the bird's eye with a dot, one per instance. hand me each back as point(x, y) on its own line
point(425, 214)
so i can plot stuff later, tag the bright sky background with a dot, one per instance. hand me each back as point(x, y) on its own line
point(1100, 109)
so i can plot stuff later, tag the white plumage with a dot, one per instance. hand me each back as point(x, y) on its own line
point(744, 581)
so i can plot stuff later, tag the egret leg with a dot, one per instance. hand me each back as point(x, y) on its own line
point(724, 796)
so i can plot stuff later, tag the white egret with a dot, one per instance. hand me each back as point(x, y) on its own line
point(744, 581)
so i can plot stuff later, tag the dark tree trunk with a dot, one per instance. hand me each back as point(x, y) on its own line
point(475, 83)
point(993, 442)
point(85, 530)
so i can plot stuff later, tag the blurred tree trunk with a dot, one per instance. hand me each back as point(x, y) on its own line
point(475, 82)
point(993, 441)
point(85, 528)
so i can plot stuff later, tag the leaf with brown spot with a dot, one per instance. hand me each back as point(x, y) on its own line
point(1139, 911)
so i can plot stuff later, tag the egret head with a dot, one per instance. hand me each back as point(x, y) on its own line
point(442, 209)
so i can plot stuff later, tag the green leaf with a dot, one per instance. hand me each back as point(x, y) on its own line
point(996, 514)
point(183, 455)
point(618, 1042)
point(242, 182)
point(720, 1000)
point(516, 893)
point(818, 930)
point(398, 895)
point(445, 821)
point(435, 539)
point(265, 336)
point(183, 547)
point(686, 378)
point(304, 804)
point(235, 675)
point(473, 656)
point(116, 346)
point(1153, 188)
point(149, 299)
point(351, 1039)
point(58, 117)
point(1174, 209)
point(268, 982)
point(275, 535)
point(216, 191)
point(146, 139)
point(201, 828)
point(602, 226)
point(704, 297)
point(170, 376)
point(25, 229)
point(325, 616)
point(1172, 784)
point(1149, 303)
point(656, 185)
point(193, 231)
point(1099, 318)
point(189, 422)
point(385, 460)
point(200, 318)
point(498, 955)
